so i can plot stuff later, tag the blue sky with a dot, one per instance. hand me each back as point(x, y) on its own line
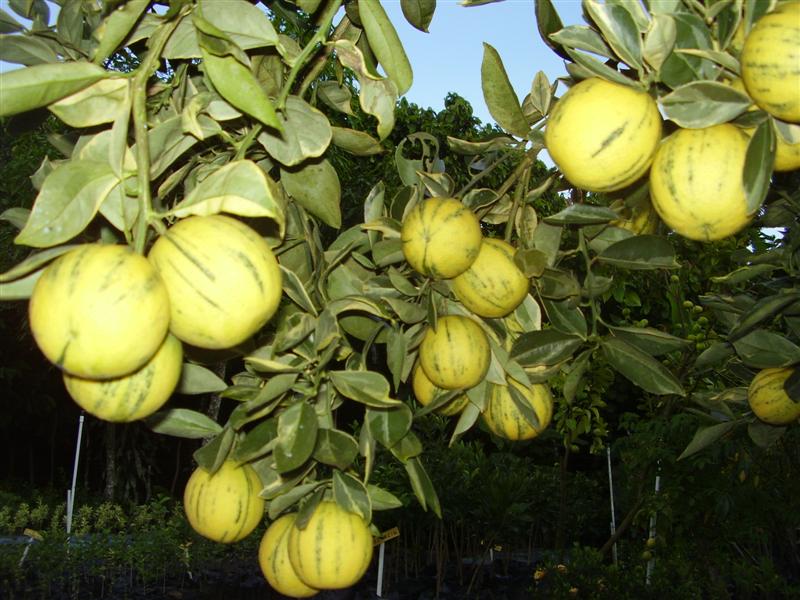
point(448, 59)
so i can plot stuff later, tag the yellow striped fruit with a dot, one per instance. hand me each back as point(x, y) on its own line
point(273, 558)
point(696, 182)
point(641, 219)
point(440, 237)
point(425, 391)
point(771, 63)
point(602, 135)
point(787, 155)
point(224, 507)
point(223, 280)
point(99, 311)
point(505, 420)
point(334, 549)
point(134, 396)
point(769, 401)
point(456, 353)
point(493, 285)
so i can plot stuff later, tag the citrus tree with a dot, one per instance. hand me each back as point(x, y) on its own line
point(196, 219)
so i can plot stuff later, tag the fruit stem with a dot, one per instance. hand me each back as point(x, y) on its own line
point(592, 302)
point(524, 164)
point(476, 178)
point(519, 194)
point(142, 74)
point(319, 63)
point(319, 38)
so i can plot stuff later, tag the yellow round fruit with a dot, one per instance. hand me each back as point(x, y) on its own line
point(787, 155)
point(696, 182)
point(769, 401)
point(134, 396)
point(333, 550)
point(771, 63)
point(224, 507)
point(99, 311)
point(273, 558)
point(440, 237)
point(602, 135)
point(425, 391)
point(493, 285)
point(456, 353)
point(223, 280)
point(505, 420)
point(641, 219)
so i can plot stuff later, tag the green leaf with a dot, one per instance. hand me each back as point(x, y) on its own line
point(352, 495)
point(499, 95)
point(68, 201)
point(762, 349)
point(237, 84)
point(705, 436)
point(641, 252)
point(466, 420)
point(102, 102)
point(582, 37)
point(315, 186)
point(9, 24)
point(243, 23)
point(367, 387)
point(183, 422)
point(336, 96)
point(240, 188)
point(577, 368)
point(566, 317)
point(640, 368)
point(306, 134)
point(619, 30)
point(547, 347)
point(743, 274)
point(652, 341)
point(407, 447)
point(294, 288)
point(257, 442)
point(758, 164)
point(116, 27)
point(213, 454)
point(19, 289)
point(600, 69)
point(377, 95)
point(713, 356)
point(763, 434)
point(470, 148)
point(659, 40)
point(690, 32)
point(34, 263)
point(40, 85)
point(382, 499)
point(397, 356)
point(291, 496)
point(335, 448)
point(27, 50)
point(388, 425)
point(704, 103)
point(297, 436)
point(582, 214)
point(548, 22)
point(196, 379)
point(762, 310)
point(418, 13)
point(355, 142)
point(422, 486)
point(386, 44)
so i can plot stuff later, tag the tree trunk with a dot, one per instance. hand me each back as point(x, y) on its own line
point(111, 463)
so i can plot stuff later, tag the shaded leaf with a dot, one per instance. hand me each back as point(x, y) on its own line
point(763, 349)
point(306, 133)
point(39, 85)
point(183, 422)
point(758, 164)
point(418, 13)
point(335, 448)
point(422, 486)
point(297, 436)
point(705, 436)
point(640, 368)
point(351, 494)
point(546, 347)
point(704, 103)
point(640, 252)
point(367, 387)
point(196, 379)
point(315, 186)
point(116, 27)
point(388, 425)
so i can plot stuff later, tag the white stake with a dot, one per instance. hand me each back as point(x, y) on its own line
point(71, 492)
point(652, 535)
point(379, 590)
point(613, 512)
